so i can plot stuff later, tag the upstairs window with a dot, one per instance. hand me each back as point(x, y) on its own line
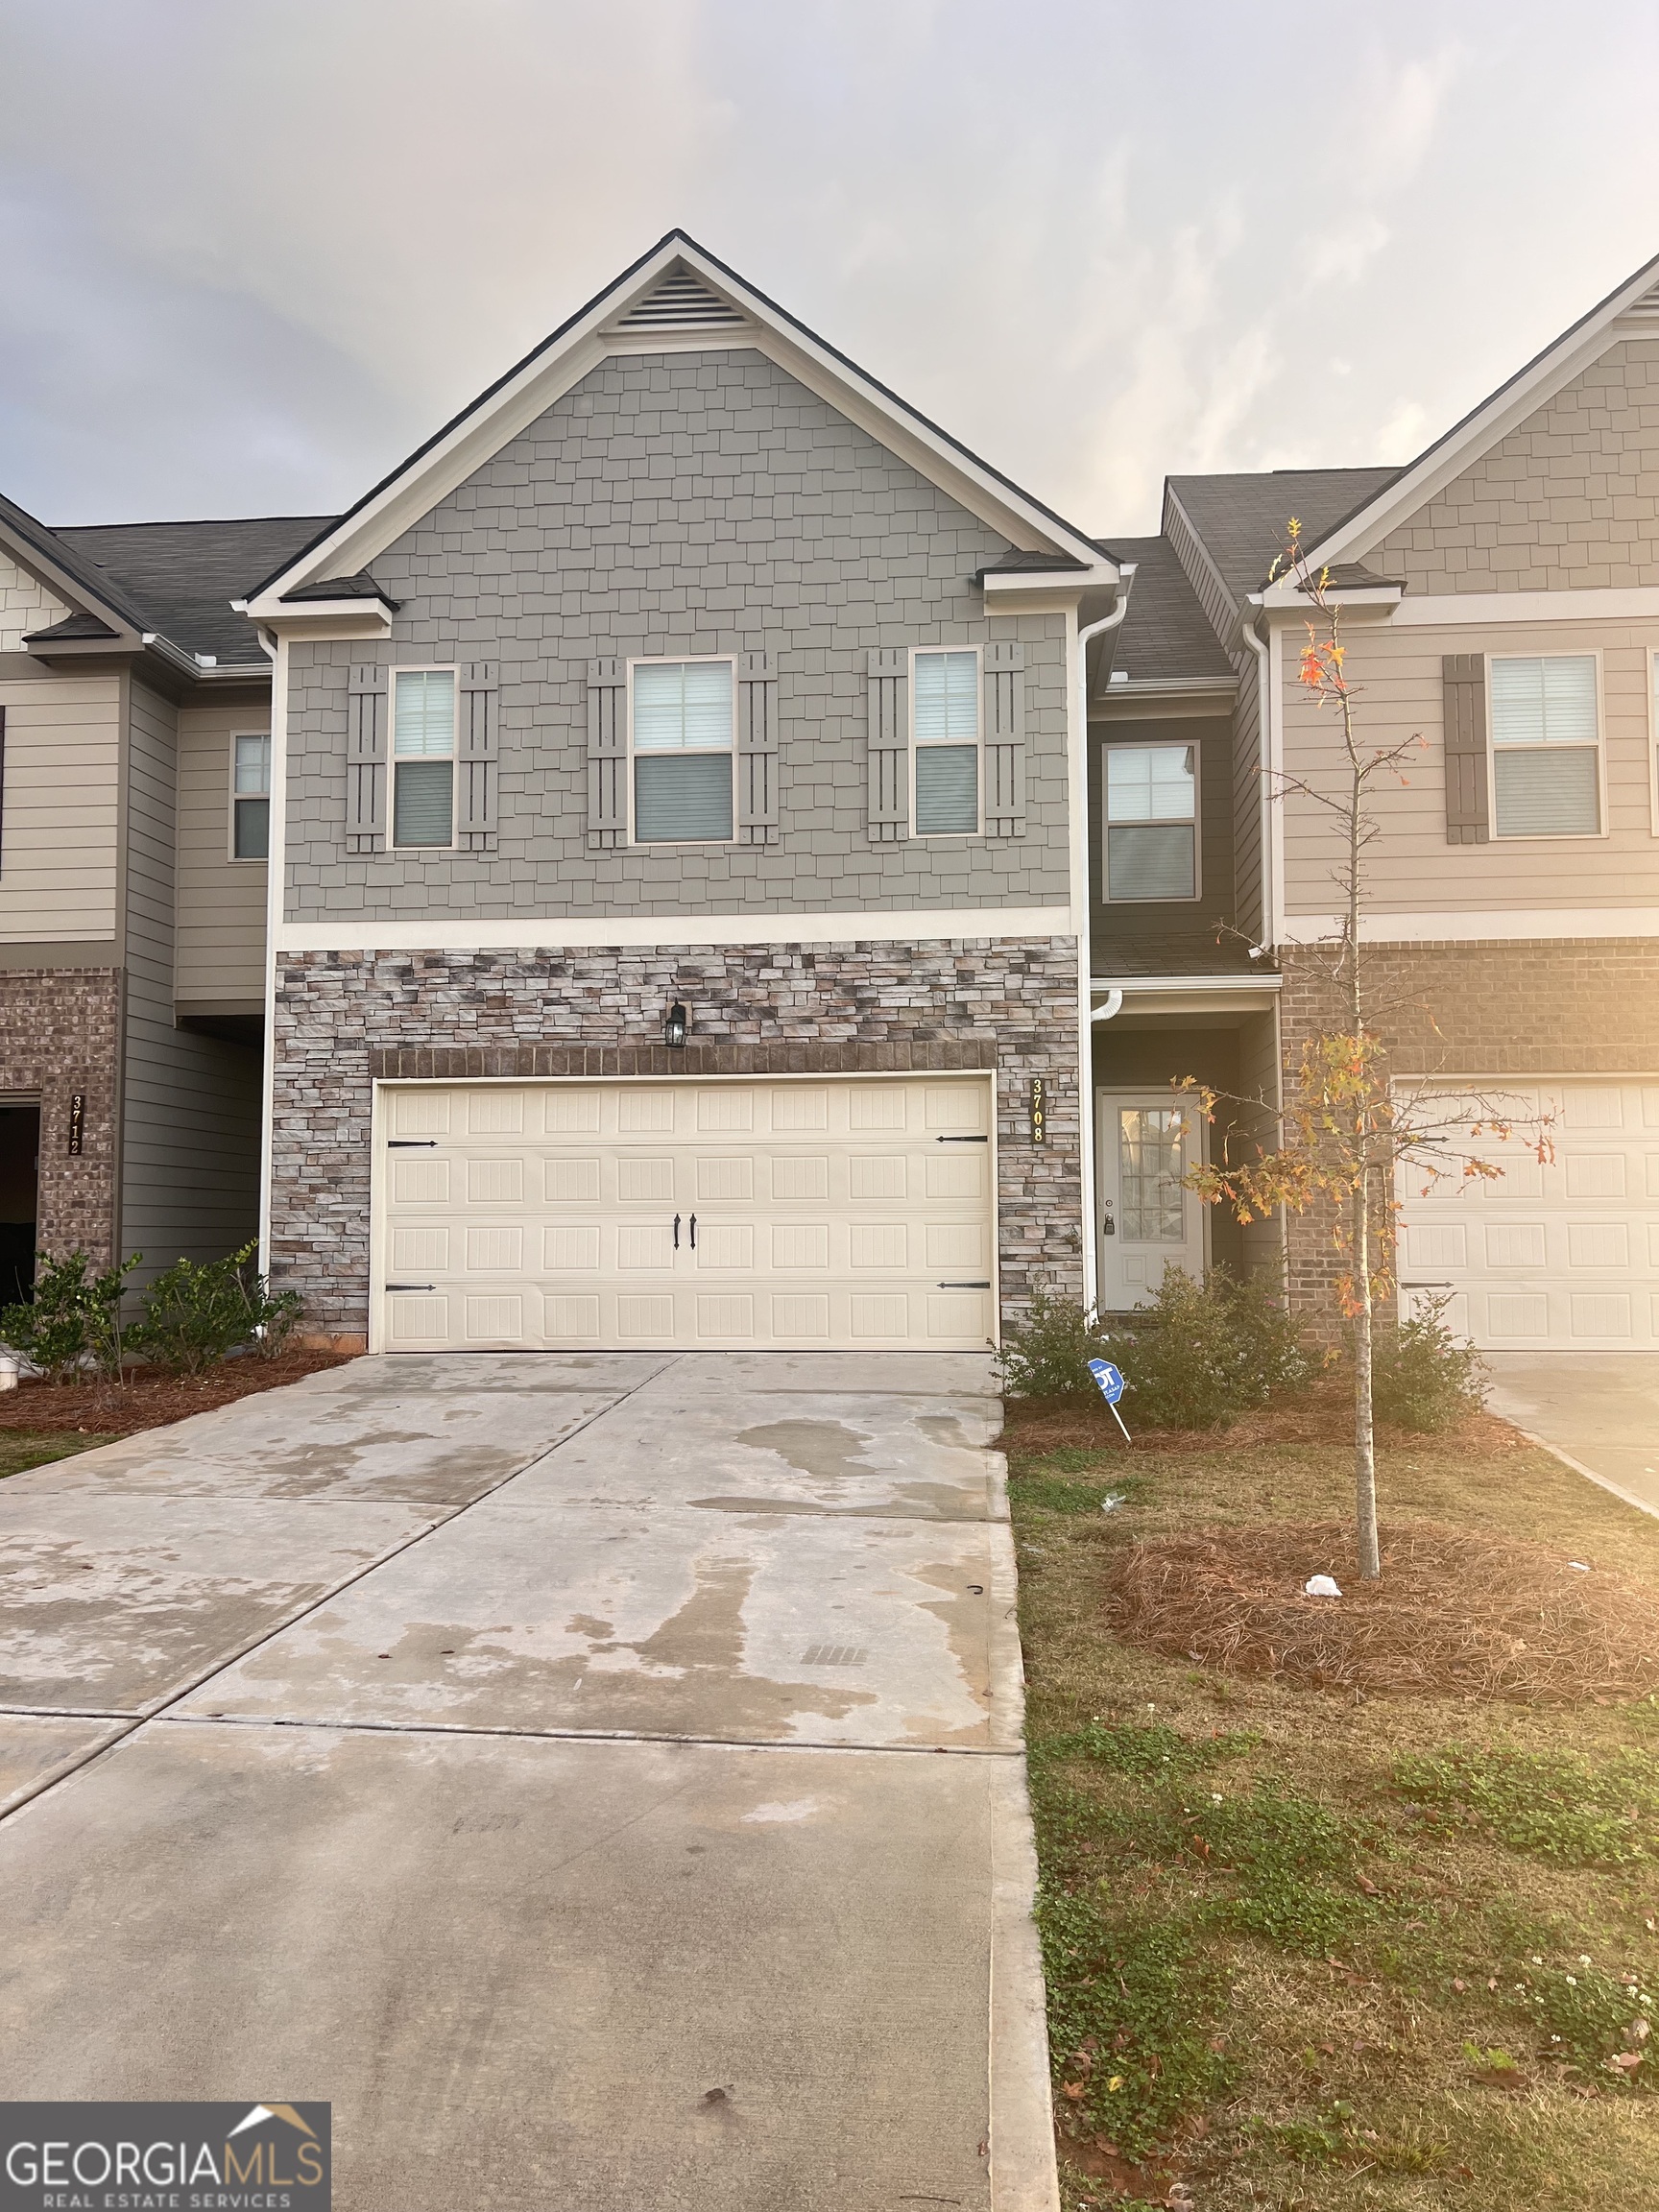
point(945, 728)
point(1151, 822)
point(250, 798)
point(1546, 747)
point(685, 717)
point(424, 757)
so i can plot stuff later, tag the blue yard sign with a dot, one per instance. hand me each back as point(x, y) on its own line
point(1111, 1386)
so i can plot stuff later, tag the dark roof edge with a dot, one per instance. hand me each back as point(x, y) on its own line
point(1496, 393)
point(51, 548)
point(616, 284)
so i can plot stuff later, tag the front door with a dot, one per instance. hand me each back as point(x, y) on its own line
point(1147, 1140)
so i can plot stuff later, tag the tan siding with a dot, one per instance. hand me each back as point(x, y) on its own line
point(1413, 866)
point(58, 837)
point(1569, 500)
point(190, 1105)
point(25, 605)
point(221, 948)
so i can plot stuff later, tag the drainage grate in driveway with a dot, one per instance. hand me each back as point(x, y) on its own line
point(833, 1655)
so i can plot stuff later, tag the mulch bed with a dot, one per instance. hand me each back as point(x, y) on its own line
point(146, 1401)
point(1454, 1613)
point(1322, 1414)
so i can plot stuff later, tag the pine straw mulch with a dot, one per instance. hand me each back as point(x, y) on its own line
point(1469, 1615)
point(147, 1399)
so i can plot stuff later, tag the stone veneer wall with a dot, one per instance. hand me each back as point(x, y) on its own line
point(1580, 1006)
point(344, 1017)
point(61, 1033)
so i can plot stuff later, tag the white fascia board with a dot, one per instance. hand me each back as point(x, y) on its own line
point(1481, 430)
point(322, 619)
point(1133, 986)
point(1448, 610)
point(546, 377)
point(553, 932)
point(1494, 924)
point(1291, 595)
point(1024, 584)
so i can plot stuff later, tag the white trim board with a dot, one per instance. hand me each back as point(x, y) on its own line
point(555, 931)
point(1448, 610)
point(1511, 925)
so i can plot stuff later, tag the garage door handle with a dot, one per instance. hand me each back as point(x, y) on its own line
point(411, 1143)
point(411, 1285)
point(961, 1139)
point(962, 1285)
point(693, 1232)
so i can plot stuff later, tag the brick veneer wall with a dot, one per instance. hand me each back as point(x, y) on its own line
point(61, 1033)
point(344, 1017)
point(1581, 1006)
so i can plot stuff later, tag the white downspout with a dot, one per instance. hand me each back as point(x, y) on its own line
point(275, 866)
point(1085, 951)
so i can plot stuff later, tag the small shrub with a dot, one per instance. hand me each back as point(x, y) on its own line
point(194, 1315)
point(1197, 1354)
point(74, 1318)
point(1048, 1353)
point(1422, 1379)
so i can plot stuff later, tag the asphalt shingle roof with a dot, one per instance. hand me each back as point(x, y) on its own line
point(1241, 518)
point(182, 576)
point(1165, 631)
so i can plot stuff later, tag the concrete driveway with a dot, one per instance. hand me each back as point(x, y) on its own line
point(596, 1776)
point(1599, 1410)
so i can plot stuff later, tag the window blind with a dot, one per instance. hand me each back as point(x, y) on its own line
point(1546, 776)
point(682, 750)
point(423, 714)
point(1151, 815)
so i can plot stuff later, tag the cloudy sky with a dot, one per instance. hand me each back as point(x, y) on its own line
point(251, 255)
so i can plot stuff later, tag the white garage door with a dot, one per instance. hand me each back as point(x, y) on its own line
point(790, 1213)
point(1558, 1257)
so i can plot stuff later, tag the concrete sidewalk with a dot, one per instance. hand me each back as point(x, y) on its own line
point(1599, 1410)
point(598, 1776)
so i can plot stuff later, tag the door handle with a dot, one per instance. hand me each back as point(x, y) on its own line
point(693, 1232)
point(1108, 1227)
point(676, 1231)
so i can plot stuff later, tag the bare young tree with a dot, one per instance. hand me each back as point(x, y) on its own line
point(1348, 1127)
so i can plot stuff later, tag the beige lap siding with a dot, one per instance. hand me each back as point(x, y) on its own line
point(1563, 1007)
point(343, 1018)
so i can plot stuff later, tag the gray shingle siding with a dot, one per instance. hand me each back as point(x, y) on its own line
point(683, 503)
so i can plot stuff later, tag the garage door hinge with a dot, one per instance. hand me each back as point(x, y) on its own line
point(411, 1285)
point(411, 1143)
point(961, 1286)
point(961, 1139)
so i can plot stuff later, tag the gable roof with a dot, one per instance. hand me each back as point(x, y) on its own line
point(1350, 536)
point(676, 294)
point(68, 575)
point(182, 576)
point(1240, 519)
point(1165, 636)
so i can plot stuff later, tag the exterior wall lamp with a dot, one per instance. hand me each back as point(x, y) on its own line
point(675, 1025)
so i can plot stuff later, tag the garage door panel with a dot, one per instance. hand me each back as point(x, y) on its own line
point(1561, 1253)
point(812, 1214)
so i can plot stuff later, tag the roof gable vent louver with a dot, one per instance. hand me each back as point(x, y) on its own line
point(1646, 308)
point(680, 301)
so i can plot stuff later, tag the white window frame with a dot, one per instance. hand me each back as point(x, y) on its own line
point(417, 668)
point(681, 660)
point(1143, 745)
point(1568, 838)
point(920, 651)
point(242, 859)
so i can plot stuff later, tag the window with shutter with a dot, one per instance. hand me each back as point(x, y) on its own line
point(1545, 746)
point(1151, 822)
point(683, 745)
point(945, 730)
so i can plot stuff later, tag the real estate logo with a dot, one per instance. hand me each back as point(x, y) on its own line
point(184, 2157)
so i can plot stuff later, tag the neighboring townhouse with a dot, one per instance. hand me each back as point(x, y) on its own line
point(680, 854)
point(134, 721)
point(1500, 597)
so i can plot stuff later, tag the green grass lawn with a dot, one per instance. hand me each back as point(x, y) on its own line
point(1316, 1952)
point(21, 1448)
